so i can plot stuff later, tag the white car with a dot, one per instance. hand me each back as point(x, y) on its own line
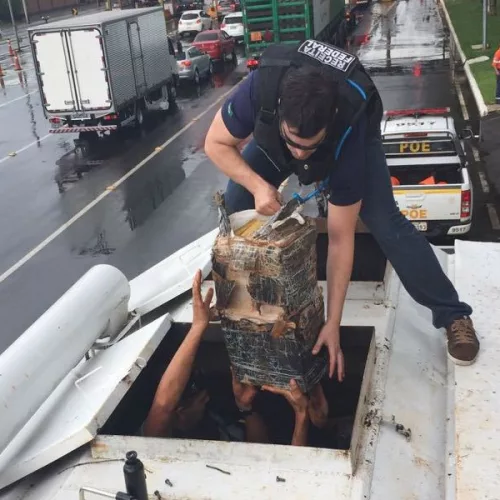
point(194, 21)
point(233, 25)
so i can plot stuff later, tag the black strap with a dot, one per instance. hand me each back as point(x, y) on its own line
point(268, 89)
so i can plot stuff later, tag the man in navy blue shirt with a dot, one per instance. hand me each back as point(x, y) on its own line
point(300, 137)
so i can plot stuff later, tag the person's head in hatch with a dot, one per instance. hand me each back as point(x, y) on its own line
point(191, 408)
point(307, 106)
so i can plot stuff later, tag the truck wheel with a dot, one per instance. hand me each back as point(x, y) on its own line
point(140, 115)
point(172, 94)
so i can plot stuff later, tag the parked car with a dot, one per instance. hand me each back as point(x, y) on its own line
point(184, 5)
point(225, 7)
point(194, 64)
point(233, 25)
point(217, 44)
point(194, 21)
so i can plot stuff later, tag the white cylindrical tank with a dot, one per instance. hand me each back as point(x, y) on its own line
point(32, 367)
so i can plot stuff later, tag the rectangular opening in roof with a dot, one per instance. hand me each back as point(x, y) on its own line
point(213, 375)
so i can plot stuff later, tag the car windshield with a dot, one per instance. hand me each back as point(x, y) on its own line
point(180, 56)
point(189, 16)
point(233, 20)
point(206, 37)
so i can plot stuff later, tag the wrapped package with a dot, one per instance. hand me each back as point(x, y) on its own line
point(268, 299)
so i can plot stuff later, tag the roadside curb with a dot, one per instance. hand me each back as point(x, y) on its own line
point(478, 97)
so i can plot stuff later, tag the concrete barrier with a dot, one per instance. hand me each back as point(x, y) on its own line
point(478, 97)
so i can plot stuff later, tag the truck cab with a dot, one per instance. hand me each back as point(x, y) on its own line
point(429, 171)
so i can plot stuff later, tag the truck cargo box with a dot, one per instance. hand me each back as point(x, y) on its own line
point(100, 62)
point(276, 21)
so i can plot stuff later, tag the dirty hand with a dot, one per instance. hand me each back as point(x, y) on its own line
point(330, 337)
point(244, 394)
point(318, 406)
point(267, 200)
point(201, 306)
point(297, 399)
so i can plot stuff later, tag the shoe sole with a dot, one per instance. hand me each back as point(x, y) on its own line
point(462, 362)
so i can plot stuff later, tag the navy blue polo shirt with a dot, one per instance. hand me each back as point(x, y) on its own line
point(346, 180)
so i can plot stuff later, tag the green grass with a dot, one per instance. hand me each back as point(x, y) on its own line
point(467, 19)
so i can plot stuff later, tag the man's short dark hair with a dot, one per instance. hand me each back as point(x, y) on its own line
point(308, 100)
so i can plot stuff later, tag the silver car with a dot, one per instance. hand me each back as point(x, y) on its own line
point(193, 64)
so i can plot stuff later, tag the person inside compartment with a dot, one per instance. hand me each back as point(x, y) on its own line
point(181, 406)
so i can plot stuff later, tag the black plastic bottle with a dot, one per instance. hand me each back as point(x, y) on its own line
point(135, 479)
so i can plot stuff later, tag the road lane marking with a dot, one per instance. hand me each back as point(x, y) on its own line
point(461, 100)
point(484, 182)
point(24, 148)
point(492, 212)
point(18, 98)
point(110, 189)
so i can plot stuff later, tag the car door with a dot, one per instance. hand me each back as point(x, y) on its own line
point(227, 42)
point(200, 59)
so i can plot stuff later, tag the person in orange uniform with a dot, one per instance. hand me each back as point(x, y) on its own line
point(496, 67)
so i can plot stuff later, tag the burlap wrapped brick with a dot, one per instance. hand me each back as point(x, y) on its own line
point(269, 301)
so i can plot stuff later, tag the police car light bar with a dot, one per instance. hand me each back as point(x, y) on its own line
point(417, 112)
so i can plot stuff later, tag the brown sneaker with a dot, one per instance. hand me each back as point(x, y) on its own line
point(463, 345)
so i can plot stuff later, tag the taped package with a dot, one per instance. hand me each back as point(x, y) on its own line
point(268, 299)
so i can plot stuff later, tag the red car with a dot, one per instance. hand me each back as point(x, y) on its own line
point(217, 44)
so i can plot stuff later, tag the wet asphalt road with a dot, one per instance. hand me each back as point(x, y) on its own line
point(168, 201)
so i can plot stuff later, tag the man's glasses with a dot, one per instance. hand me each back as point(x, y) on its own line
point(292, 143)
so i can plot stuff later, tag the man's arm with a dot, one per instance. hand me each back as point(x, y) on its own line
point(231, 126)
point(341, 230)
point(299, 402)
point(222, 148)
point(347, 189)
point(176, 376)
point(301, 429)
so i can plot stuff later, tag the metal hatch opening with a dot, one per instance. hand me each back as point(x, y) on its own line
point(213, 363)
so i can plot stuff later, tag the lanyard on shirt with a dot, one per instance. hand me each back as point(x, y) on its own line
point(322, 187)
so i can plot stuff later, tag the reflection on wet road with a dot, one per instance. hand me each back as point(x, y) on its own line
point(404, 33)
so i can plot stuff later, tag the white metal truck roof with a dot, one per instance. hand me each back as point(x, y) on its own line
point(450, 414)
point(97, 18)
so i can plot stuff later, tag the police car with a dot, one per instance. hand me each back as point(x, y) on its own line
point(429, 172)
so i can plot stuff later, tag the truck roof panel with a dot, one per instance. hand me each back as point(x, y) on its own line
point(98, 18)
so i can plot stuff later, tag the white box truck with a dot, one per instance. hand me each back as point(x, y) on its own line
point(102, 71)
